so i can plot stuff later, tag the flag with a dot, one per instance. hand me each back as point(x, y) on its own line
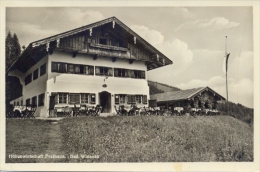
point(227, 61)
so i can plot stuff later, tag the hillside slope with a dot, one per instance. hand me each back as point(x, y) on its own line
point(159, 139)
point(156, 87)
point(132, 139)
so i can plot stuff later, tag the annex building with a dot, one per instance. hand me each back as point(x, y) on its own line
point(103, 63)
point(202, 97)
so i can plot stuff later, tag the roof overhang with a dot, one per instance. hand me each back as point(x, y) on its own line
point(38, 49)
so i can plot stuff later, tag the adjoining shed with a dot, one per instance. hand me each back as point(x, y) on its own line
point(202, 97)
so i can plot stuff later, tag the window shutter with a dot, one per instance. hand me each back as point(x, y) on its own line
point(127, 73)
point(97, 70)
point(133, 99)
point(110, 72)
point(93, 98)
point(54, 67)
point(144, 99)
point(56, 99)
point(91, 70)
point(143, 74)
point(129, 99)
point(86, 70)
point(115, 72)
point(65, 68)
point(116, 98)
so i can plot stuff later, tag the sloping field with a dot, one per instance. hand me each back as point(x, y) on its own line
point(138, 139)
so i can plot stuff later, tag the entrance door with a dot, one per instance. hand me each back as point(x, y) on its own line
point(105, 101)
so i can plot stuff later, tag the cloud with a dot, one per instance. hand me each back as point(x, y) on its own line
point(240, 91)
point(240, 67)
point(152, 36)
point(185, 13)
point(78, 17)
point(217, 23)
point(28, 32)
point(62, 19)
point(175, 49)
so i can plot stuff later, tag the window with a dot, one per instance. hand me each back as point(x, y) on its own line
point(87, 70)
point(80, 69)
point(27, 102)
point(41, 100)
point(84, 98)
point(138, 99)
point(63, 97)
point(92, 98)
point(28, 79)
point(21, 102)
point(17, 103)
point(122, 99)
point(131, 99)
point(137, 74)
point(74, 98)
point(117, 99)
point(35, 74)
point(76, 69)
point(144, 99)
point(104, 71)
point(59, 67)
point(14, 104)
point(121, 72)
point(70, 68)
point(43, 69)
point(54, 67)
point(34, 101)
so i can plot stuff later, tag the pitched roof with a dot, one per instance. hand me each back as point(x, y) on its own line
point(123, 29)
point(180, 95)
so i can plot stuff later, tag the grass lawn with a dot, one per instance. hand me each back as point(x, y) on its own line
point(134, 139)
point(26, 137)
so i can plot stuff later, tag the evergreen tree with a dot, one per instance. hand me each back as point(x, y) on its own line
point(16, 48)
point(8, 49)
point(12, 52)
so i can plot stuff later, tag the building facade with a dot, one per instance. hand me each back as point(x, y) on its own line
point(103, 63)
point(202, 97)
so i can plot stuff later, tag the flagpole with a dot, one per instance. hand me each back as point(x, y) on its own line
point(226, 54)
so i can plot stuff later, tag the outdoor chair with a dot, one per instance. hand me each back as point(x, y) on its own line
point(118, 110)
point(97, 111)
point(91, 110)
point(127, 110)
point(76, 110)
point(135, 110)
point(30, 112)
point(142, 111)
point(67, 111)
point(83, 109)
point(94, 111)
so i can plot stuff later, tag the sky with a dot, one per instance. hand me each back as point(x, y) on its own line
point(194, 38)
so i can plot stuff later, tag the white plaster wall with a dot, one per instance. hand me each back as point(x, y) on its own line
point(36, 87)
point(76, 83)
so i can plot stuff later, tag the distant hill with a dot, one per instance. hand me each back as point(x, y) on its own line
point(238, 111)
point(156, 87)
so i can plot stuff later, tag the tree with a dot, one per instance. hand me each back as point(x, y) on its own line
point(16, 48)
point(12, 51)
point(8, 49)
